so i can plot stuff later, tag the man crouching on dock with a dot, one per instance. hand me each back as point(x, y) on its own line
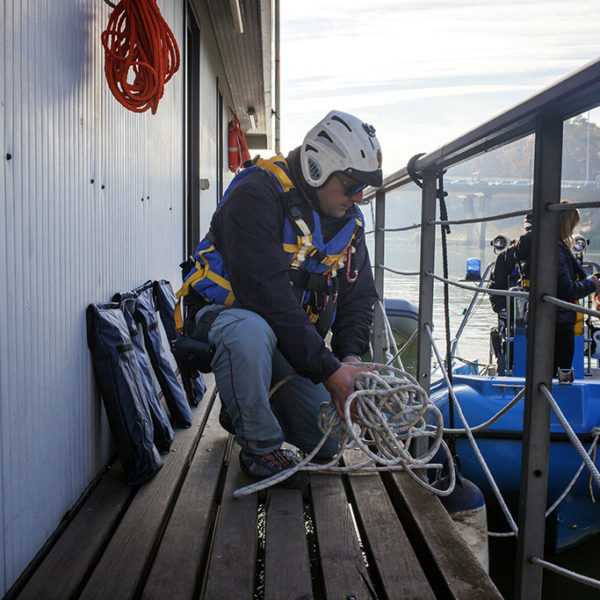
point(285, 262)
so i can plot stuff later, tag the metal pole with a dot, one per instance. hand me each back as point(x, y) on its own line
point(428, 205)
point(540, 342)
point(379, 227)
point(277, 81)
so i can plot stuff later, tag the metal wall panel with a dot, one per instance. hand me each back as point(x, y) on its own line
point(91, 204)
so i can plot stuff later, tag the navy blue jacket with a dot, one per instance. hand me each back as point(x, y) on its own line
point(503, 274)
point(571, 282)
point(247, 231)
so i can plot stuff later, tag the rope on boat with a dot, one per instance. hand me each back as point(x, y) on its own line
point(570, 433)
point(475, 288)
point(471, 439)
point(404, 347)
point(394, 413)
point(493, 419)
point(592, 449)
point(516, 213)
point(570, 306)
point(406, 228)
point(408, 273)
point(390, 341)
point(562, 571)
point(444, 222)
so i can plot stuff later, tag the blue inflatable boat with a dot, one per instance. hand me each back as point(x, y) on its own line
point(482, 395)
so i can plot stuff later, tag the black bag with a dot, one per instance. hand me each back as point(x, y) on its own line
point(123, 393)
point(163, 432)
point(193, 347)
point(145, 313)
point(193, 382)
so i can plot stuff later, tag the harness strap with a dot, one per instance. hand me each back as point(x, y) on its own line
point(274, 168)
point(202, 271)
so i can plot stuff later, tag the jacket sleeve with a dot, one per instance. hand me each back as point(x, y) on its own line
point(248, 234)
point(354, 315)
point(500, 275)
point(567, 286)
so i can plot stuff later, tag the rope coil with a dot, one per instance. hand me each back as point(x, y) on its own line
point(140, 54)
point(393, 413)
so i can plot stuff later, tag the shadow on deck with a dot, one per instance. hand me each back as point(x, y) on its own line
point(183, 535)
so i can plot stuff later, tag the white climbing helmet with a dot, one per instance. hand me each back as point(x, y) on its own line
point(341, 143)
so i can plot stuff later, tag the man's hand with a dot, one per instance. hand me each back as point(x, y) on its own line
point(340, 384)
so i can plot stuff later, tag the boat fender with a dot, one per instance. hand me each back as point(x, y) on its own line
point(466, 507)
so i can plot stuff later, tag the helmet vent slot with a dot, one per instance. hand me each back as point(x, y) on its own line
point(336, 118)
point(325, 135)
point(314, 169)
point(362, 153)
point(309, 147)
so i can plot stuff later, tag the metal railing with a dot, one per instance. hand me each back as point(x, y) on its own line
point(543, 115)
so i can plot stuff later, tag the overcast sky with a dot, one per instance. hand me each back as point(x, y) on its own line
point(425, 72)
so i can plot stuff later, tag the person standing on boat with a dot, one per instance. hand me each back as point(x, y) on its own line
point(572, 283)
point(284, 263)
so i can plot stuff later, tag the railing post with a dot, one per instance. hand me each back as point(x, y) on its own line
point(379, 227)
point(540, 342)
point(427, 264)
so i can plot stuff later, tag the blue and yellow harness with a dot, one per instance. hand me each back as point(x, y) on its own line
point(313, 262)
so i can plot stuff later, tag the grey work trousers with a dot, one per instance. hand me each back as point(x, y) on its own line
point(246, 364)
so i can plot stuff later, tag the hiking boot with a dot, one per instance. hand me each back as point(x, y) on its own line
point(261, 467)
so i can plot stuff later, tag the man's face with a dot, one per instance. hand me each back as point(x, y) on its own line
point(338, 195)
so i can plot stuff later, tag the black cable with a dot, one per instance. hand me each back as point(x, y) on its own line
point(441, 194)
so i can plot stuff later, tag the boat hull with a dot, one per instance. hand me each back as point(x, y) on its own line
point(577, 517)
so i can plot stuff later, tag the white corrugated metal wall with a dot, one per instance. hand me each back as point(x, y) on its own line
point(92, 203)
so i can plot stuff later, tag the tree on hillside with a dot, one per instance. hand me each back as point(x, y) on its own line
point(581, 150)
point(581, 155)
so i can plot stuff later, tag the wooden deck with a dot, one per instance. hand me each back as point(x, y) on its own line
point(183, 536)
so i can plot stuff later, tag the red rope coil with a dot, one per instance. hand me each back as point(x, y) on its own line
point(140, 54)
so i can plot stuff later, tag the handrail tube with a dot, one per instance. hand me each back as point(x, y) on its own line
point(427, 262)
point(536, 417)
point(379, 275)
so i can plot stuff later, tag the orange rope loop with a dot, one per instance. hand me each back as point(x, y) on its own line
point(140, 54)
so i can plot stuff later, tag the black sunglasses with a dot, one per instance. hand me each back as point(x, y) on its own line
point(351, 186)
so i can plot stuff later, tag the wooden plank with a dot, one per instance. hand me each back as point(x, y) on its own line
point(388, 545)
point(122, 566)
point(184, 546)
point(343, 568)
point(456, 572)
point(232, 565)
point(62, 573)
point(287, 568)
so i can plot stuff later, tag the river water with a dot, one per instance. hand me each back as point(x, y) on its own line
point(464, 242)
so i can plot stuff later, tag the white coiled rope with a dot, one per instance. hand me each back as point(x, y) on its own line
point(394, 412)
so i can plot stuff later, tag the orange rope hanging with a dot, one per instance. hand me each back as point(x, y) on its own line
point(139, 46)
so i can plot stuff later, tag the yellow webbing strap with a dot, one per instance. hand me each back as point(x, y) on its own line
point(273, 168)
point(578, 322)
point(202, 271)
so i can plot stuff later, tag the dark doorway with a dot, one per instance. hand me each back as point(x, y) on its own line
point(191, 224)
